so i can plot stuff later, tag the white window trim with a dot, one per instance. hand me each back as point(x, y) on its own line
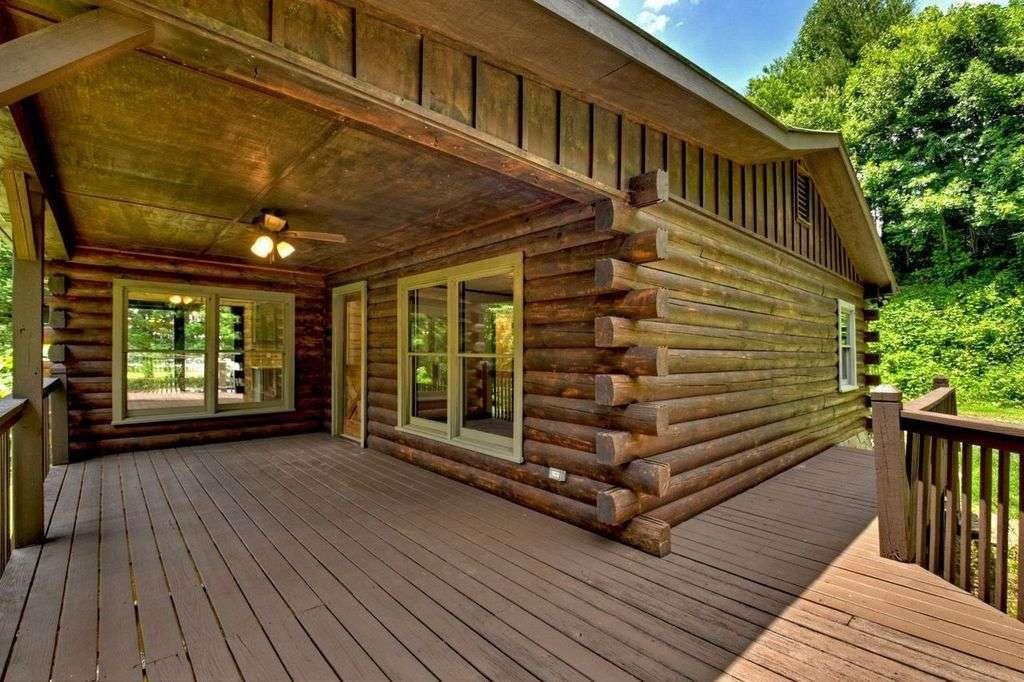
point(210, 409)
point(846, 307)
point(450, 432)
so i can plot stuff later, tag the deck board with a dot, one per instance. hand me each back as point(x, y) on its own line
point(308, 558)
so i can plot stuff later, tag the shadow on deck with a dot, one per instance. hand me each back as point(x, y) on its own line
point(307, 557)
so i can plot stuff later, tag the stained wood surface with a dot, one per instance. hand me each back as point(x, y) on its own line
point(309, 558)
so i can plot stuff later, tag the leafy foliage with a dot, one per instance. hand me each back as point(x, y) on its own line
point(970, 331)
point(932, 107)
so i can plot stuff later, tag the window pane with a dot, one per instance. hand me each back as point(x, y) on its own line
point(429, 395)
point(428, 320)
point(165, 363)
point(846, 365)
point(251, 351)
point(488, 394)
point(352, 358)
point(486, 315)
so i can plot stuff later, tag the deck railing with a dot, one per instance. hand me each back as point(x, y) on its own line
point(929, 463)
point(54, 447)
point(10, 412)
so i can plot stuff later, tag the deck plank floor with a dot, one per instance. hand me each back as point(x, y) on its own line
point(308, 558)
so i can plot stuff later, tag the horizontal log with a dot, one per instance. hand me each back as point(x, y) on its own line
point(699, 454)
point(640, 304)
point(618, 505)
point(622, 446)
point(83, 448)
point(615, 275)
point(561, 384)
point(573, 489)
point(387, 401)
point(700, 407)
point(642, 476)
point(704, 315)
point(618, 332)
point(683, 361)
point(688, 507)
point(619, 389)
point(646, 418)
point(638, 361)
point(565, 434)
point(561, 335)
point(576, 285)
point(575, 259)
point(382, 385)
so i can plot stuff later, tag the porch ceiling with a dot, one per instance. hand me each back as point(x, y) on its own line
point(153, 156)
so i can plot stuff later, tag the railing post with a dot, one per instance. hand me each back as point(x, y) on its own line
point(891, 476)
point(59, 421)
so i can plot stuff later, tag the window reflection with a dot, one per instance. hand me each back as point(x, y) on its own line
point(487, 352)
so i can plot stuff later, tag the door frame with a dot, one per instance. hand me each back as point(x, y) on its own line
point(337, 358)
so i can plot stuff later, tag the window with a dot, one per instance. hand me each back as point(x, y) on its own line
point(847, 346)
point(186, 352)
point(460, 349)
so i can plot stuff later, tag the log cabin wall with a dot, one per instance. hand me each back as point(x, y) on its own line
point(561, 418)
point(550, 121)
point(751, 383)
point(80, 334)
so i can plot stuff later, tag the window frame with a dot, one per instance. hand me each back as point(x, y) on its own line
point(452, 431)
point(845, 307)
point(210, 408)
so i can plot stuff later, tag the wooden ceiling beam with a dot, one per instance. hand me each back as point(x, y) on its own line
point(205, 45)
point(38, 60)
point(25, 201)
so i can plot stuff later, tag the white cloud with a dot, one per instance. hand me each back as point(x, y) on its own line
point(652, 22)
point(613, 4)
point(658, 5)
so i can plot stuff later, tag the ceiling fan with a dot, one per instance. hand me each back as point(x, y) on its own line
point(271, 243)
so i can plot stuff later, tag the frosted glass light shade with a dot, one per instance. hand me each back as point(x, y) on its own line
point(284, 249)
point(263, 246)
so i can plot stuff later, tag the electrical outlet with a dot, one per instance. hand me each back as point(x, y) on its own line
point(556, 474)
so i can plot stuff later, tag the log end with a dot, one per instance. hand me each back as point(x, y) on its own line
point(648, 188)
point(646, 361)
point(616, 506)
point(610, 447)
point(604, 215)
point(609, 332)
point(614, 389)
point(648, 534)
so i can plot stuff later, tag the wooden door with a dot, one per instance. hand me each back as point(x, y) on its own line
point(349, 361)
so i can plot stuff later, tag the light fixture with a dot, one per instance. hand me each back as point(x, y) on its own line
point(284, 249)
point(263, 246)
point(175, 299)
point(186, 300)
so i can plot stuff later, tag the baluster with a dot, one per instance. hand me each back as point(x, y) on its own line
point(923, 449)
point(1002, 528)
point(1020, 536)
point(985, 525)
point(949, 520)
point(935, 507)
point(5, 518)
point(966, 476)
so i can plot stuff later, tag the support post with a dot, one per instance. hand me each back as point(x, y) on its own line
point(892, 481)
point(27, 341)
point(59, 418)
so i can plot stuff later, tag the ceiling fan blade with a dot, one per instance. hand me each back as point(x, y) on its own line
point(316, 236)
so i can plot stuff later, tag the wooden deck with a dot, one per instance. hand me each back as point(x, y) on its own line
point(307, 558)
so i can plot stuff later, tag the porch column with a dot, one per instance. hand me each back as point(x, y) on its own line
point(27, 340)
point(892, 483)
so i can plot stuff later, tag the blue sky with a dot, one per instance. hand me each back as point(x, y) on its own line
point(732, 39)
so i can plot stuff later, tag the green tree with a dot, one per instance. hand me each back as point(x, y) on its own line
point(805, 87)
point(934, 116)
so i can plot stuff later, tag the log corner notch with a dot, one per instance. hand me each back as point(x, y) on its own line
point(648, 188)
point(38, 60)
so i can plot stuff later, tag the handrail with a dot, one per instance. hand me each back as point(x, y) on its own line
point(983, 432)
point(10, 411)
point(930, 401)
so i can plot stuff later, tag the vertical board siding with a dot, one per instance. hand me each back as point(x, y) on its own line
point(560, 127)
